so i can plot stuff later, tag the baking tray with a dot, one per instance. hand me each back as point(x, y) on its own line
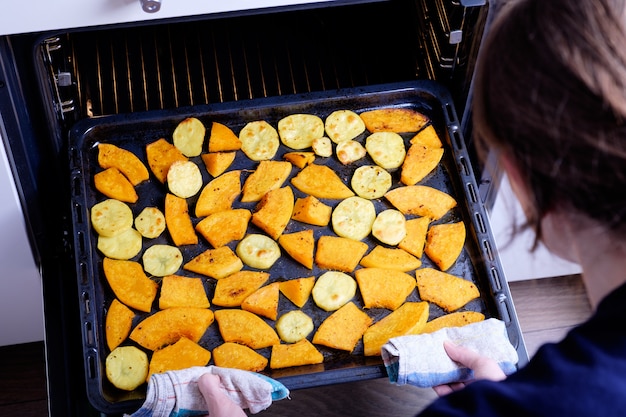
point(478, 261)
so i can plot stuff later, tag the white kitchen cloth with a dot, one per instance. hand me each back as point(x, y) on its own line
point(421, 360)
point(176, 393)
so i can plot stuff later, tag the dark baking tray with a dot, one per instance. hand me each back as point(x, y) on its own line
point(478, 261)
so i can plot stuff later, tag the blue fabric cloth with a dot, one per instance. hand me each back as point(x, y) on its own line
point(582, 376)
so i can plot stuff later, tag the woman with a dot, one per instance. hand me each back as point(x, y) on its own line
point(550, 100)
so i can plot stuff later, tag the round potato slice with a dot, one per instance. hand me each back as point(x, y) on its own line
point(124, 246)
point(184, 179)
point(342, 125)
point(258, 251)
point(294, 326)
point(150, 222)
point(259, 140)
point(188, 137)
point(386, 149)
point(298, 131)
point(127, 367)
point(111, 217)
point(322, 147)
point(162, 260)
point(389, 227)
point(333, 289)
point(349, 151)
point(371, 181)
point(353, 218)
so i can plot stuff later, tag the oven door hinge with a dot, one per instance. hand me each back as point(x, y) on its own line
point(62, 81)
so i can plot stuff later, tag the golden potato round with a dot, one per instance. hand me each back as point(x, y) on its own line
point(127, 367)
point(111, 217)
point(259, 140)
point(298, 131)
point(184, 179)
point(386, 149)
point(353, 218)
point(188, 137)
point(124, 246)
point(333, 289)
point(389, 227)
point(150, 222)
point(294, 326)
point(349, 151)
point(258, 251)
point(162, 260)
point(371, 181)
point(342, 125)
point(322, 147)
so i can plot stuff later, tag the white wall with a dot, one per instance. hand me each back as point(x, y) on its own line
point(21, 301)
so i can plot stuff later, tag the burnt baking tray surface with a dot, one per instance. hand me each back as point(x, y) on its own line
point(478, 261)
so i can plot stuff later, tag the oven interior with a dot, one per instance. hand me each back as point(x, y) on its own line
point(58, 79)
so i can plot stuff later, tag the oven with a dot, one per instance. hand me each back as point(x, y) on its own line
point(283, 53)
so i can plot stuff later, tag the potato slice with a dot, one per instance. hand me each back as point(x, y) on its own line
point(161, 155)
point(343, 125)
point(322, 147)
point(167, 326)
point(444, 243)
point(188, 137)
point(343, 329)
point(127, 162)
point(312, 211)
point(349, 151)
point(300, 246)
point(150, 222)
point(294, 326)
point(408, 319)
point(240, 326)
point(384, 288)
point(415, 238)
point(219, 194)
point(268, 176)
point(259, 140)
point(397, 120)
point(371, 181)
point(321, 182)
point(298, 131)
point(130, 284)
point(184, 179)
point(125, 245)
point(353, 218)
point(178, 221)
point(339, 253)
point(111, 217)
point(215, 263)
point(295, 354)
point(223, 139)
point(264, 301)
point(298, 290)
point(420, 161)
point(126, 367)
point(118, 322)
point(113, 184)
point(447, 291)
point(273, 212)
point(258, 251)
point(333, 289)
point(234, 355)
point(390, 258)
point(389, 227)
point(456, 319)
point(223, 227)
point(300, 159)
point(386, 149)
point(218, 162)
point(162, 260)
point(232, 290)
point(179, 291)
point(427, 137)
point(421, 200)
point(181, 355)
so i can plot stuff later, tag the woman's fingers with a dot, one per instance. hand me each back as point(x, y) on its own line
point(483, 367)
point(218, 403)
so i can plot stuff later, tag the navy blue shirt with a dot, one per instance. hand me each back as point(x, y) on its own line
point(583, 375)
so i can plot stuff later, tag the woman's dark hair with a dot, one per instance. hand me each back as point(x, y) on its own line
point(550, 93)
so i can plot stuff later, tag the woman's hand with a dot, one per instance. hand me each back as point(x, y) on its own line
point(218, 403)
point(483, 367)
